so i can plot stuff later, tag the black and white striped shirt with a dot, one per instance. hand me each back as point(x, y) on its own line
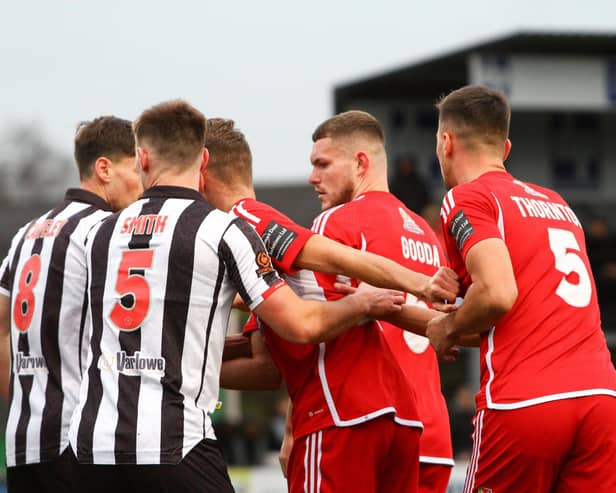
point(44, 276)
point(162, 276)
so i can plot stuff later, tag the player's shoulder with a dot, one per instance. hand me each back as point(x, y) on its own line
point(532, 190)
point(256, 212)
point(481, 190)
point(330, 216)
point(31, 227)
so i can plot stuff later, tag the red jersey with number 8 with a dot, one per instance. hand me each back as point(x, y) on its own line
point(550, 345)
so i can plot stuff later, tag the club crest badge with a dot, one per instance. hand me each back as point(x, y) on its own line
point(408, 223)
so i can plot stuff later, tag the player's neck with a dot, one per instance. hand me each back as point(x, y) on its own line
point(189, 179)
point(224, 195)
point(474, 169)
point(371, 184)
point(234, 194)
point(94, 187)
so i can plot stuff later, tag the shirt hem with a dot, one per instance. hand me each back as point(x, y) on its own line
point(21, 457)
point(489, 404)
point(442, 461)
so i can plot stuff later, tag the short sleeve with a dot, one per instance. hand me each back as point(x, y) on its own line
point(248, 263)
point(283, 238)
point(469, 215)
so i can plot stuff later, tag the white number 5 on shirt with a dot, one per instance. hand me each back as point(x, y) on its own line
point(578, 294)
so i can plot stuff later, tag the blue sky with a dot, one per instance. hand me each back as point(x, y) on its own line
point(269, 65)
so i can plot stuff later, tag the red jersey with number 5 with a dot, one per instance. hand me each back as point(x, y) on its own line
point(550, 345)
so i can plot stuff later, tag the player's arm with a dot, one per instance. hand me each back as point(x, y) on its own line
point(5, 345)
point(296, 320)
point(257, 371)
point(416, 319)
point(322, 254)
point(492, 293)
point(310, 322)
point(236, 346)
point(287, 442)
point(413, 318)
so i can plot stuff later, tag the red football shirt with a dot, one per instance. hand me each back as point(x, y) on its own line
point(298, 363)
point(550, 344)
point(379, 223)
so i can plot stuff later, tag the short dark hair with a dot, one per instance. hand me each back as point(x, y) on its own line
point(174, 129)
point(105, 136)
point(348, 124)
point(477, 112)
point(230, 156)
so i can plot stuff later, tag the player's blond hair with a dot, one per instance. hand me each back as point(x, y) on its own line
point(230, 157)
point(350, 124)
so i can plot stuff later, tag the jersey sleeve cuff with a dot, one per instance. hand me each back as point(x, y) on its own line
point(268, 292)
point(286, 263)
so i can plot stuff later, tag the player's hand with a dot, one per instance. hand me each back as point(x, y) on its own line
point(379, 303)
point(285, 452)
point(451, 355)
point(344, 288)
point(442, 290)
point(437, 332)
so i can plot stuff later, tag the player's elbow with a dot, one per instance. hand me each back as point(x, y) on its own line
point(305, 335)
point(502, 298)
point(297, 331)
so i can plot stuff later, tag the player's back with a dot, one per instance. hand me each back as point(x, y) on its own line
point(160, 297)
point(44, 275)
point(550, 344)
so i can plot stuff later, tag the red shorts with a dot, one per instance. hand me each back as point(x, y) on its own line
point(433, 478)
point(563, 446)
point(376, 456)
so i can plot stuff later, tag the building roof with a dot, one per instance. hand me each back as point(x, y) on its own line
point(428, 79)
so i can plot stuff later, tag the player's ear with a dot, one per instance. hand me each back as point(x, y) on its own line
point(507, 149)
point(448, 140)
point(204, 160)
point(102, 169)
point(143, 159)
point(363, 163)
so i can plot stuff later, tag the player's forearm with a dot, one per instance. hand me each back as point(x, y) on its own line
point(480, 310)
point(385, 273)
point(324, 255)
point(249, 374)
point(310, 322)
point(322, 321)
point(5, 346)
point(413, 319)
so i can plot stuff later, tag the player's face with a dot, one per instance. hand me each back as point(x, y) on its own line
point(332, 173)
point(125, 185)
